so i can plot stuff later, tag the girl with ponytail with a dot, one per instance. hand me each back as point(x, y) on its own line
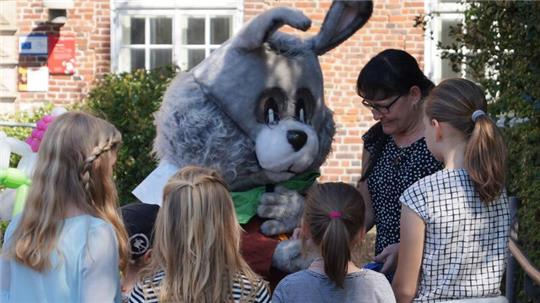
point(333, 221)
point(454, 223)
point(69, 244)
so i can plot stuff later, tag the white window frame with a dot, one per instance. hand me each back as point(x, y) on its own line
point(440, 11)
point(147, 46)
point(207, 15)
point(176, 10)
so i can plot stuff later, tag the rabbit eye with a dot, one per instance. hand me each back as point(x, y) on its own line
point(300, 111)
point(271, 106)
point(304, 106)
point(271, 112)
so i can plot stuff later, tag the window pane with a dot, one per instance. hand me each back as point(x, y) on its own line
point(124, 61)
point(193, 31)
point(195, 56)
point(220, 29)
point(137, 59)
point(136, 31)
point(446, 39)
point(161, 31)
point(160, 57)
point(130, 59)
point(446, 70)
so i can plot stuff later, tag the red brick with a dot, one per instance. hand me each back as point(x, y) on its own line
point(390, 26)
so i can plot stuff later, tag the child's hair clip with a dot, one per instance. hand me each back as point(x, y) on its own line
point(335, 214)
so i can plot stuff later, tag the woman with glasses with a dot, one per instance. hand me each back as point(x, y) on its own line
point(395, 154)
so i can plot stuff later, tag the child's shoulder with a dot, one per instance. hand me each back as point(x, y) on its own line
point(307, 276)
point(300, 277)
point(437, 178)
point(434, 177)
point(371, 277)
point(88, 222)
point(85, 228)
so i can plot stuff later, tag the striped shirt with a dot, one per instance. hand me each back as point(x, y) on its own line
point(148, 291)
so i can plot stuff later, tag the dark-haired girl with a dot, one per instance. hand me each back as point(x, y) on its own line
point(333, 222)
point(395, 154)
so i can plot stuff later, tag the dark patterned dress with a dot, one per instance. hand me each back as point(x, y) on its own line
point(394, 170)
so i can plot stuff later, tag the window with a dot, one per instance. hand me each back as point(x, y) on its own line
point(149, 34)
point(200, 36)
point(445, 14)
point(146, 42)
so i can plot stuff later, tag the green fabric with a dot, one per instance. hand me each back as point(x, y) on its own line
point(246, 202)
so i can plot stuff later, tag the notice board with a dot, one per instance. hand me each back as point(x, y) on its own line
point(61, 59)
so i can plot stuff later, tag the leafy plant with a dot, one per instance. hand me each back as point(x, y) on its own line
point(129, 100)
point(499, 43)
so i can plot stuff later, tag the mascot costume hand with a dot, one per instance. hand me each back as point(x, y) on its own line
point(254, 110)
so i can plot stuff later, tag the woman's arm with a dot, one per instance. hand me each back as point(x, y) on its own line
point(412, 236)
point(362, 187)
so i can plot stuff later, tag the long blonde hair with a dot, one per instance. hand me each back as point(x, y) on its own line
point(197, 241)
point(74, 167)
point(454, 101)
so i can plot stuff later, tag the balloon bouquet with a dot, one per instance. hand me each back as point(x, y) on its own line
point(17, 180)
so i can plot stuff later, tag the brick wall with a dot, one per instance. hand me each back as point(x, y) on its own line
point(89, 22)
point(391, 26)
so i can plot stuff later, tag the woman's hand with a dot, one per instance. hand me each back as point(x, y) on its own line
point(389, 258)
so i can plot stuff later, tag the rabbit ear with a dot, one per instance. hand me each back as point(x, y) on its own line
point(342, 20)
point(256, 32)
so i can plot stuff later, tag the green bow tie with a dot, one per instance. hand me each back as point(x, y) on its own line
point(246, 202)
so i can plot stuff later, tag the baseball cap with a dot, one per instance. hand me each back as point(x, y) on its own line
point(139, 219)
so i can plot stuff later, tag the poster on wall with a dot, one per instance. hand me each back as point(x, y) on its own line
point(33, 79)
point(61, 59)
point(33, 45)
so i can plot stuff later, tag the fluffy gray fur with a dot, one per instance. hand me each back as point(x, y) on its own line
point(209, 115)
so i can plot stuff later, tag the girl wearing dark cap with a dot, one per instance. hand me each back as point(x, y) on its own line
point(139, 220)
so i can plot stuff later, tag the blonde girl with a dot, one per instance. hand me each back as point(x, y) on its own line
point(333, 221)
point(454, 223)
point(196, 253)
point(69, 242)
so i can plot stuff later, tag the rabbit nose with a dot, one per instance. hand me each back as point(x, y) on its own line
point(297, 139)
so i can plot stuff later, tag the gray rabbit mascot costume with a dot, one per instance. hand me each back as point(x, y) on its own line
point(254, 110)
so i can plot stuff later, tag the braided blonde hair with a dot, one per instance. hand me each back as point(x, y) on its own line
point(197, 241)
point(74, 169)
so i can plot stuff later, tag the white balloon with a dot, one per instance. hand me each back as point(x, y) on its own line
point(19, 147)
point(57, 111)
point(27, 164)
point(5, 151)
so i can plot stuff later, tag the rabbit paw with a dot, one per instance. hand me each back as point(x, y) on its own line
point(288, 256)
point(283, 207)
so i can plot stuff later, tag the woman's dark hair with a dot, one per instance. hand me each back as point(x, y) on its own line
point(454, 101)
point(391, 72)
point(334, 214)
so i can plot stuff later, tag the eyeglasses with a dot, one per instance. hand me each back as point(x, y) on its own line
point(383, 109)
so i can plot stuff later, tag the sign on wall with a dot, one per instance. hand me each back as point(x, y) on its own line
point(33, 79)
point(61, 59)
point(33, 45)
